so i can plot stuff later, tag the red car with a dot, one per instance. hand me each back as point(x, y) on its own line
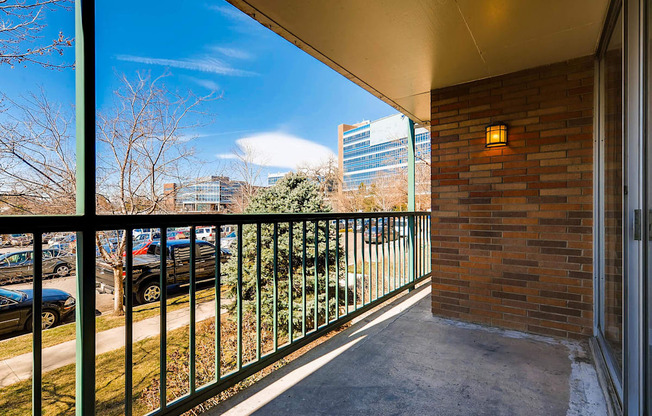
point(140, 248)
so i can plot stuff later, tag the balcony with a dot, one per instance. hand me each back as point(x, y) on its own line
point(401, 360)
point(533, 251)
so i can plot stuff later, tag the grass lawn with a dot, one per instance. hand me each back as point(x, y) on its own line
point(59, 385)
point(23, 343)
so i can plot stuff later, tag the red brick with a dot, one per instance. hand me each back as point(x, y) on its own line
point(511, 234)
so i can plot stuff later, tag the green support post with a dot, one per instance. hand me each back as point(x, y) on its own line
point(85, 133)
point(411, 154)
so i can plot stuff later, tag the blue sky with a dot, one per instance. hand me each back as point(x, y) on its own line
point(274, 96)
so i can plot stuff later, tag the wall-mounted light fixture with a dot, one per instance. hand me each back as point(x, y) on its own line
point(496, 135)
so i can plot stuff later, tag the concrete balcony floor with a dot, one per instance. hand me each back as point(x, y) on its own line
point(400, 360)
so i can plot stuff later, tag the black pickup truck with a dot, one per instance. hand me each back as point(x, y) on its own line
point(146, 268)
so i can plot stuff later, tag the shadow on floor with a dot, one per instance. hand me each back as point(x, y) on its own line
point(401, 360)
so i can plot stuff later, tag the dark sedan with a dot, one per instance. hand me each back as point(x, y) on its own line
point(379, 235)
point(16, 309)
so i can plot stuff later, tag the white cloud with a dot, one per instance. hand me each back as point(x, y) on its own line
point(206, 83)
point(206, 64)
point(230, 12)
point(232, 52)
point(282, 150)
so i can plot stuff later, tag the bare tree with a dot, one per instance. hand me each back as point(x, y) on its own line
point(325, 175)
point(21, 27)
point(37, 155)
point(143, 143)
point(390, 190)
point(248, 166)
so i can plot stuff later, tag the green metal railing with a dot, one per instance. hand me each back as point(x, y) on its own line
point(351, 270)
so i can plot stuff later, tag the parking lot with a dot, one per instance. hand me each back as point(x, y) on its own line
point(104, 302)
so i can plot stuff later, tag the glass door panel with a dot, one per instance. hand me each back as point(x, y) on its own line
point(612, 202)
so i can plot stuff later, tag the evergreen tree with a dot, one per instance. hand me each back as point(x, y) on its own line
point(295, 193)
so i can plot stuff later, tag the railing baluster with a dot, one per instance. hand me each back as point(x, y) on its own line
point(400, 254)
point(346, 268)
point(397, 256)
point(377, 259)
point(316, 285)
point(385, 230)
point(259, 329)
point(394, 257)
point(328, 236)
point(290, 280)
point(355, 264)
point(218, 301)
point(193, 302)
point(422, 245)
point(37, 324)
point(163, 283)
point(304, 276)
point(337, 269)
point(370, 298)
point(129, 320)
point(239, 299)
point(275, 285)
point(362, 243)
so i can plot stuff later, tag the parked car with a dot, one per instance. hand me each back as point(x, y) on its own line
point(139, 231)
point(227, 240)
point(145, 236)
point(62, 240)
point(141, 248)
point(16, 309)
point(375, 234)
point(205, 234)
point(176, 235)
point(20, 239)
point(19, 266)
point(146, 268)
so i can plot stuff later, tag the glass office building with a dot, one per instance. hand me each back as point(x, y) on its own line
point(372, 150)
point(214, 193)
point(272, 178)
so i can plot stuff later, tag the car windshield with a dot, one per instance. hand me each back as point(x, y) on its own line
point(12, 294)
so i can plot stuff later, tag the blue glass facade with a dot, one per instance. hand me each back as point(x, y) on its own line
point(272, 178)
point(211, 194)
point(370, 153)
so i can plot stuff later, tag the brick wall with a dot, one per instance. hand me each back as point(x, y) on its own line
point(512, 226)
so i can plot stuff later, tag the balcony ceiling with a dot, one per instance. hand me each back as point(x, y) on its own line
point(401, 50)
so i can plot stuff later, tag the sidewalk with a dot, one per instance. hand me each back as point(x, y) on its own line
point(19, 368)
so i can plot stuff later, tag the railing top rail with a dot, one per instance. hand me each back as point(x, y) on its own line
point(22, 224)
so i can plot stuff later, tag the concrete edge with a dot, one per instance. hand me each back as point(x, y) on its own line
point(614, 407)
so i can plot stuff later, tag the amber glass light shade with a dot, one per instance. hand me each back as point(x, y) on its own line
point(496, 135)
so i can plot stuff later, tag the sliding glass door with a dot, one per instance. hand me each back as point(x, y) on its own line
point(623, 204)
point(610, 200)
